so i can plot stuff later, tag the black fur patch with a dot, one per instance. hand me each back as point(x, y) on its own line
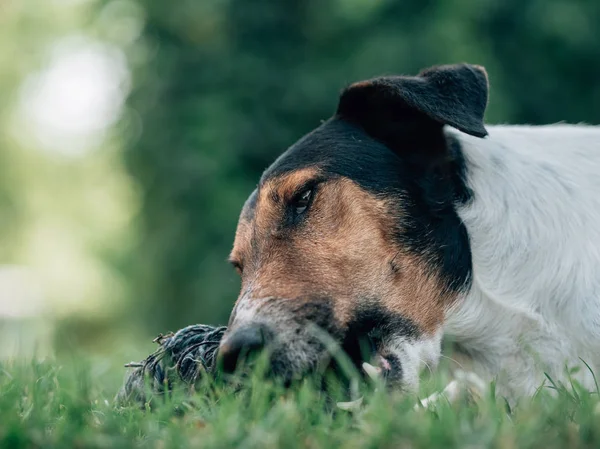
point(371, 325)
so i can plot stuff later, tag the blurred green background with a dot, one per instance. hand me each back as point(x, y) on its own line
point(131, 133)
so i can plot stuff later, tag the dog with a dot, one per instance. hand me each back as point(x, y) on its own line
point(405, 219)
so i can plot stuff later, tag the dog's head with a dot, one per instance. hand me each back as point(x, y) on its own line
point(353, 230)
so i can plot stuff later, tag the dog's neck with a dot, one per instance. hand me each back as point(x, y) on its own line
point(535, 245)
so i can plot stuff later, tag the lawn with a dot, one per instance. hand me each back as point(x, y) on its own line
point(69, 403)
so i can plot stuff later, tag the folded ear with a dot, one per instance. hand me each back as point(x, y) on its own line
point(454, 95)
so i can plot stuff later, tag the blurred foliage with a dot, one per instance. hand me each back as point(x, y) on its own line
point(228, 85)
point(64, 217)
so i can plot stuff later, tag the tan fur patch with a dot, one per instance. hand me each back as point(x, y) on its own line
point(344, 250)
point(418, 294)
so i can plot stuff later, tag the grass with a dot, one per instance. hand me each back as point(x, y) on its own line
point(69, 403)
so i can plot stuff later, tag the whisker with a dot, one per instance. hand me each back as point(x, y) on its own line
point(454, 360)
point(427, 365)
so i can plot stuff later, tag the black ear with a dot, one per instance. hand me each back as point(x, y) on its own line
point(454, 95)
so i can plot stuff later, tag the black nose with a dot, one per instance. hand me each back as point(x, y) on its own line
point(239, 345)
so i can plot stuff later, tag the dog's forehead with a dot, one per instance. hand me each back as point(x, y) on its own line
point(340, 148)
point(336, 148)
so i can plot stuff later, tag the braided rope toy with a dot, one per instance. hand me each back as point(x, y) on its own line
point(184, 357)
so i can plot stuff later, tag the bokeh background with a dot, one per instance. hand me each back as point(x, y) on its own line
point(132, 131)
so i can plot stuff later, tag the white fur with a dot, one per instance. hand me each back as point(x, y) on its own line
point(414, 355)
point(534, 230)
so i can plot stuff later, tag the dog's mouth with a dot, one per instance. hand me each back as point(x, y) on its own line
point(368, 354)
point(373, 361)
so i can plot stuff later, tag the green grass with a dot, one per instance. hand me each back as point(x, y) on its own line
point(70, 404)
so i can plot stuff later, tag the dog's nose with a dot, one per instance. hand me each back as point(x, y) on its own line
point(238, 346)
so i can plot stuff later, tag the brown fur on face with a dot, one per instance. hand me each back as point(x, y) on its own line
point(343, 249)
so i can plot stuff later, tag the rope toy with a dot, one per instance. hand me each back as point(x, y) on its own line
point(184, 357)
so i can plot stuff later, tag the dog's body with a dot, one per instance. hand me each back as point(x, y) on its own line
point(389, 222)
point(534, 229)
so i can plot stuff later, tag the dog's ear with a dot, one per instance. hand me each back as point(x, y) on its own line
point(454, 95)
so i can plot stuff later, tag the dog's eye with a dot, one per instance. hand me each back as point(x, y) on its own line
point(237, 265)
point(302, 201)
